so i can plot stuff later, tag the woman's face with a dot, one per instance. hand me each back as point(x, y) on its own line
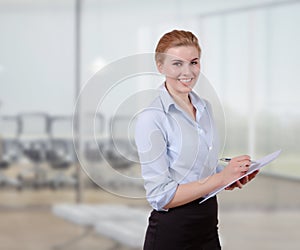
point(181, 66)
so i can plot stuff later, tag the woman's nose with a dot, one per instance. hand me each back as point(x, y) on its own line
point(186, 70)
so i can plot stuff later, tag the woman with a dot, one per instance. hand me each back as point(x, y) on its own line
point(178, 151)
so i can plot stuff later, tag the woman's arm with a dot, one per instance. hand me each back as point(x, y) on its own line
point(152, 149)
point(188, 192)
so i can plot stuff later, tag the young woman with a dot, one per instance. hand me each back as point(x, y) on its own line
point(178, 151)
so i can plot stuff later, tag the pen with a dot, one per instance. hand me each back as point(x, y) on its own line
point(229, 159)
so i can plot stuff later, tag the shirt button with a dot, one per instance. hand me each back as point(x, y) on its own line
point(210, 148)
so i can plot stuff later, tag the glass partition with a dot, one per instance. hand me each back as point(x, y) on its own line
point(252, 58)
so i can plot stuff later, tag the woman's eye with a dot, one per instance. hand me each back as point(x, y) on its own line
point(177, 64)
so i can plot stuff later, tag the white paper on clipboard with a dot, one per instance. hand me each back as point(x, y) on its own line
point(253, 167)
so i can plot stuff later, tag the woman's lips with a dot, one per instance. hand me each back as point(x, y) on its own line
point(186, 81)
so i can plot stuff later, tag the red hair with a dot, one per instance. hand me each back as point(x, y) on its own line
point(175, 38)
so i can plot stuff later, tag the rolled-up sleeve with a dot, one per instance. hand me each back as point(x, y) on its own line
point(151, 142)
point(219, 168)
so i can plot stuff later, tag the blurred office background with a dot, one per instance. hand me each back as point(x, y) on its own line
point(49, 50)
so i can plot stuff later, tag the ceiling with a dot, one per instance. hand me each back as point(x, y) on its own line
point(203, 6)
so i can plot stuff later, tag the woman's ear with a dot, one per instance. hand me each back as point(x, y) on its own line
point(160, 67)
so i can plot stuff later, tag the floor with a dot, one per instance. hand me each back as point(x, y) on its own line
point(27, 223)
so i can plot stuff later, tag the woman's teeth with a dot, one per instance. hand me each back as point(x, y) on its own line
point(185, 80)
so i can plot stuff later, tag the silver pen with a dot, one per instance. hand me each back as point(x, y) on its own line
point(229, 159)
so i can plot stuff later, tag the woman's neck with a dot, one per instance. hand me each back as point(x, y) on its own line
point(184, 101)
point(181, 97)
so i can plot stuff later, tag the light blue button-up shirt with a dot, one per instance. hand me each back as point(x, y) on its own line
point(173, 148)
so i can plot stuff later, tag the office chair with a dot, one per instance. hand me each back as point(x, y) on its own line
point(120, 151)
point(34, 141)
point(60, 153)
point(94, 141)
point(9, 149)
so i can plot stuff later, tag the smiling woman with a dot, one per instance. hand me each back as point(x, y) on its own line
point(178, 152)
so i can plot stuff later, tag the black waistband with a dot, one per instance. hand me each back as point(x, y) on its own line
point(194, 204)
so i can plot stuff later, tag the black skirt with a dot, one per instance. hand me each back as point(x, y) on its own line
point(192, 226)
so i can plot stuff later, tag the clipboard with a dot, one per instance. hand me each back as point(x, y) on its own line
point(258, 164)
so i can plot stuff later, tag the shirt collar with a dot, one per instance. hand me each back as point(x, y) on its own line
point(166, 98)
point(168, 101)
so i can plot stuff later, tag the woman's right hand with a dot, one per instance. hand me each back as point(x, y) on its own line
point(236, 168)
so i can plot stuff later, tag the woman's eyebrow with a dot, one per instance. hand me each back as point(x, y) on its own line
point(177, 60)
point(181, 60)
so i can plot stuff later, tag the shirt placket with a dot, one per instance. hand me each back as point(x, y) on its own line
point(204, 136)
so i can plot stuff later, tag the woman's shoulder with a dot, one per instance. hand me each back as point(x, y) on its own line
point(155, 109)
point(153, 113)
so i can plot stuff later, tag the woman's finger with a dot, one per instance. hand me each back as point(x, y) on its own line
point(242, 158)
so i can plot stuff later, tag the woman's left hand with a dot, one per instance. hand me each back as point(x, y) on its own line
point(240, 183)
